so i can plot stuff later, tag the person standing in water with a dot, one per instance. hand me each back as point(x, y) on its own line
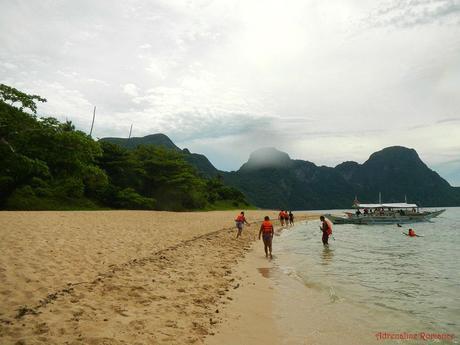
point(239, 221)
point(281, 217)
point(267, 231)
point(326, 228)
point(286, 217)
point(291, 218)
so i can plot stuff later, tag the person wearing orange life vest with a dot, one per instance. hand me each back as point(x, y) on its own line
point(286, 217)
point(267, 231)
point(239, 221)
point(281, 217)
point(412, 233)
point(326, 228)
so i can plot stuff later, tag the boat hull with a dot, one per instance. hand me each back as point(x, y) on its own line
point(385, 219)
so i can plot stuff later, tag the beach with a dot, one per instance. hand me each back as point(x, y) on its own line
point(142, 277)
point(119, 277)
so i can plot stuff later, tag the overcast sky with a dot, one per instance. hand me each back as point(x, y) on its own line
point(325, 81)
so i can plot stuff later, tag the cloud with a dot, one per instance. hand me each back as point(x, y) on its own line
point(450, 171)
point(8, 65)
point(416, 12)
point(131, 90)
point(455, 119)
point(322, 80)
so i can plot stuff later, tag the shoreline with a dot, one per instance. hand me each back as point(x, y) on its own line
point(248, 319)
point(276, 308)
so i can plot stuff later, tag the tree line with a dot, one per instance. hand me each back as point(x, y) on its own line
point(46, 164)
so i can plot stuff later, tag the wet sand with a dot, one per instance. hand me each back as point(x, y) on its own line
point(272, 307)
point(118, 277)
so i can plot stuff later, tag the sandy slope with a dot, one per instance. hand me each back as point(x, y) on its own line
point(116, 277)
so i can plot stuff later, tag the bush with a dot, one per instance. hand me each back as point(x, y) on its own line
point(194, 200)
point(41, 188)
point(129, 199)
point(95, 180)
point(71, 187)
point(23, 198)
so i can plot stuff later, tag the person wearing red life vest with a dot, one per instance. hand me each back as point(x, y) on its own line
point(267, 231)
point(326, 228)
point(412, 233)
point(239, 221)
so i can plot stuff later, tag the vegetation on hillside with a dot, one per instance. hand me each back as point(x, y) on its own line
point(395, 172)
point(46, 164)
point(198, 161)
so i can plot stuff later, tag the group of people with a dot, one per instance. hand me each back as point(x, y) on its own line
point(267, 231)
point(286, 218)
point(381, 212)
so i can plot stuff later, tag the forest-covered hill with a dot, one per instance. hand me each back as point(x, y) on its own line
point(46, 164)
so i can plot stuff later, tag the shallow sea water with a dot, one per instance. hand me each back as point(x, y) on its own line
point(401, 283)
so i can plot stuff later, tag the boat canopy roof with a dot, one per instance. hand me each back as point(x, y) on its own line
point(390, 205)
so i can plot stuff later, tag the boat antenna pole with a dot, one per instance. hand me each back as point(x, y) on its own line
point(380, 198)
point(130, 131)
point(92, 123)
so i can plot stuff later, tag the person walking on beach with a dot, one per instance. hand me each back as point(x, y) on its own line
point(281, 217)
point(291, 218)
point(267, 231)
point(239, 221)
point(326, 228)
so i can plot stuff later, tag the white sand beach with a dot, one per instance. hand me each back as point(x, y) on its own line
point(118, 277)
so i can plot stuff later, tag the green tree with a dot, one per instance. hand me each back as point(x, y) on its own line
point(48, 158)
point(170, 179)
point(122, 169)
point(11, 95)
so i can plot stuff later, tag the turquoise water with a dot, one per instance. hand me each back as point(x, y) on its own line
point(376, 266)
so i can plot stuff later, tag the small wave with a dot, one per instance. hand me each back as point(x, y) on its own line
point(333, 295)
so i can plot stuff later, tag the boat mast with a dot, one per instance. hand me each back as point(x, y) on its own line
point(380, 198)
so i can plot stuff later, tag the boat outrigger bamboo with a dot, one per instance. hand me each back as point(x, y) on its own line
point(386, 213)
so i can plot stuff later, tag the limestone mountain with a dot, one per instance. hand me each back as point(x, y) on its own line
point(398, 171)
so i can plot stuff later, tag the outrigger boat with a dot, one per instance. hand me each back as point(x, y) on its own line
point(392, 213)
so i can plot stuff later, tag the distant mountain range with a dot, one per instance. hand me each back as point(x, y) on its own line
point(271, 179)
